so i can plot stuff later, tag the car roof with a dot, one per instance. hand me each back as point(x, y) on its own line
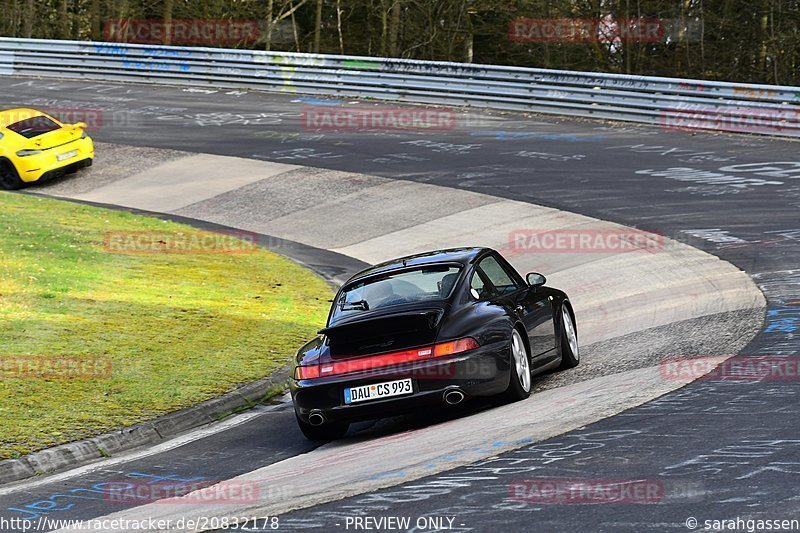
point(464, 256)
point(12, 116)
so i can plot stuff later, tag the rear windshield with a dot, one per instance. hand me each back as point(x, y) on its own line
point(34, 126)
point(426, 283)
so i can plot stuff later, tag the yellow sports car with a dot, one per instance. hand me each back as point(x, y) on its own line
point(35, 147)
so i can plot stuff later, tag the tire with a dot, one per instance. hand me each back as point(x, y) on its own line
point(9, 177)
point(519, 386)
point(570, 354)
point(325, 432)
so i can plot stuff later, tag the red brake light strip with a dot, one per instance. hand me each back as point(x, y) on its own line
point(386, 359)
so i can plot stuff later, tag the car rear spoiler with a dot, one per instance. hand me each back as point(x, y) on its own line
point(434, 315)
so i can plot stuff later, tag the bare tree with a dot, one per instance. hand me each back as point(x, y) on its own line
point(317, 26)
point(394, 27)
point(169, 6)
point(736, 40)
point(339, 25)
point(63, 20)
point(286, 9)
point(270, 23)
point(94, 13)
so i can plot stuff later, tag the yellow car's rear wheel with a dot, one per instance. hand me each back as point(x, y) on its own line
point(9, 177)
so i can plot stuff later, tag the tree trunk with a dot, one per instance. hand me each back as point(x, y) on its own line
point(8, 24)
point(96, 30)
point(384, 29)
point(27, 24)
point(294, 31)
point(318, 27)
point(270, 22)
point(627, 46)
point(63, 20)
point(168, 7)
point(763, 52)
point(75, 30)
point(339, 25)
point(394, 28)
point(469, 39)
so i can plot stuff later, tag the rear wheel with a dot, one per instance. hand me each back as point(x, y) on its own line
point(325, 432)
point(570, 356)
point(9, 177)
point(519, 386)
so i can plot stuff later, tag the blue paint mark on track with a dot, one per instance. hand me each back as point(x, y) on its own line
point(784, 320)
point(319, 101)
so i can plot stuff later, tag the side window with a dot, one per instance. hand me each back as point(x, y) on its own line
point(478, 287)
point(495, 276)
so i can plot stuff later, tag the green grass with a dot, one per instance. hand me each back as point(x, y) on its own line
point(178, 328)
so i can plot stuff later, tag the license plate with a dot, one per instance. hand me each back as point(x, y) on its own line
point(67, 155)
point(378, 390)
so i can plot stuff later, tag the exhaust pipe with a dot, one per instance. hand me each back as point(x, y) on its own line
point(453, 397)
point(316, 418)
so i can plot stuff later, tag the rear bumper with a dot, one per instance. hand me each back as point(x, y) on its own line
point(46, 165)
point(72, 167)
point(483, 372)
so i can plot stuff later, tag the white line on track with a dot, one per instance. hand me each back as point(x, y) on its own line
point(194, 435)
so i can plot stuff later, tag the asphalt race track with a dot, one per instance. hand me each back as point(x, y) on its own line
point(718, 449)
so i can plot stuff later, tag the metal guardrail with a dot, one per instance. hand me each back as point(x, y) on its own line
point(669, 102)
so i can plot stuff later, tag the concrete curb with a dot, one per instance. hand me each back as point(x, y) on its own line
point(147, 433)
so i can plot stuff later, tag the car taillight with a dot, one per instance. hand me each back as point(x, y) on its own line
point(453, 347)
point(386, 359)
point(306, 372)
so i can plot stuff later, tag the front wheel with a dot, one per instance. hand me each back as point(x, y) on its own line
point(9, 177)
point(570, 356)
point(519, 387)
point(325, 432)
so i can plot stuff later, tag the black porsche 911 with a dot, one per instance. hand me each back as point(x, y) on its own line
point(430, 329)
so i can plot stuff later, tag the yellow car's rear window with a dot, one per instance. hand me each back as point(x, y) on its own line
point(34, 126)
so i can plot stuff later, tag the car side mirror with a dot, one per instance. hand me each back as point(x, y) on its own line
point(81, 125)
point(535, 279)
